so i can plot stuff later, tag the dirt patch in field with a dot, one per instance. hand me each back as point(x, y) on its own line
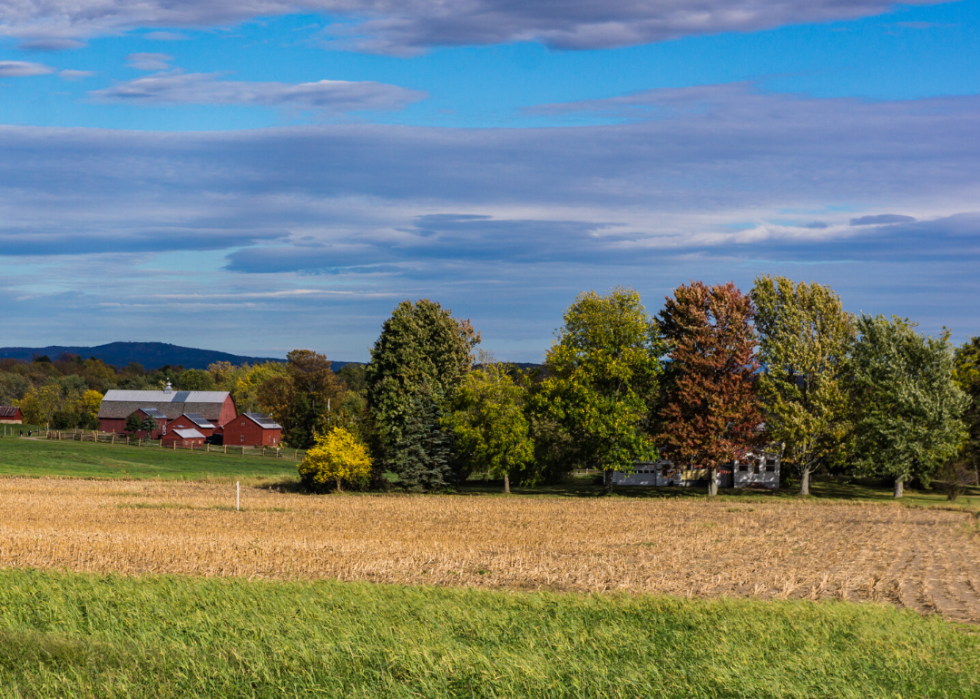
point(926, 559)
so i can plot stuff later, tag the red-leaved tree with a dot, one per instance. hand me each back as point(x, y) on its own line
point(711, 416)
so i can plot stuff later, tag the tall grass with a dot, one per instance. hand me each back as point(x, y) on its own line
point(85, 635)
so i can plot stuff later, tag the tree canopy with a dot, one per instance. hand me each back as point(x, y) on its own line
point(711, 416)
point(907, 403)
point(806, 338)
point(602, 378)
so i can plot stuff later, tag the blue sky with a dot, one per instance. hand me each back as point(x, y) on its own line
point(258, 176)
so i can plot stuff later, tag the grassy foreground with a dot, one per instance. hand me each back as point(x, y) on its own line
point(28, 457)
point(86, 635)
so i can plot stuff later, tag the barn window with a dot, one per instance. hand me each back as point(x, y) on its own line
point(243, 438)
point(742, 466)
point(771, 464)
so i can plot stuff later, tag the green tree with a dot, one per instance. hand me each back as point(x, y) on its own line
point(352, 375)
point(968, 379)
point(420, 358)
point(337, 456)
point(602, 376)
point(492, 432)
point(134, 423)
point(907, 403)
point(196, 380)
point(711, 417)
point(39, 404)
point(805, 340)
point(424, 456)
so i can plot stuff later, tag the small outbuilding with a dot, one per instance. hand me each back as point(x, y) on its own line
point(187, 438)
point(192, 421)
point(253, 430)
point(10, 415)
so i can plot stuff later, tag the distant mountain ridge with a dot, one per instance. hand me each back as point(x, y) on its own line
point(150, 354)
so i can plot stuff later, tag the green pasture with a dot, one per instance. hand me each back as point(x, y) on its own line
point(41, 457)
point(63, 635)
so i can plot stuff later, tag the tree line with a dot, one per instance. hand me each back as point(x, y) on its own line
point(716, 375)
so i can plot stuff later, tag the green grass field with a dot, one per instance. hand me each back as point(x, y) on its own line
point(84, 635)
point(28, 457)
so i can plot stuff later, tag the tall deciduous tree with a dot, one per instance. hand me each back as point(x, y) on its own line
point(908, 406)
point(711, 416)
point(492, 432)
point(805, 340)
point(420, 358)
point(602, 377)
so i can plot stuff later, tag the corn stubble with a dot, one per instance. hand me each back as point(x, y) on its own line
point(926, 559)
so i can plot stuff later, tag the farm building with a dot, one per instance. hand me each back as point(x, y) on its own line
point(253, 430)
point(10, 415)
point(217, 407)
point(157, 416)
point(755, 470)
point(193, 421)
point(182, 438)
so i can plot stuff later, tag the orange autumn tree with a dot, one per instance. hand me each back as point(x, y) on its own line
point(711, 416)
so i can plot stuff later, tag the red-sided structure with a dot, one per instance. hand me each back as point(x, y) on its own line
point(192, 421)
point(217, 407)
point(252, 430)
point(157, 416)
point(186, 438)
point(10, 415)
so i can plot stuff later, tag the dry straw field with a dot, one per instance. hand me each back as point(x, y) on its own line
point(926, 559)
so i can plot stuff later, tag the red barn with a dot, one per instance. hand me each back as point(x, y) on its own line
point(217, 407)
point(253, 430)
point(182, 438)
point(192, 421)
point(10, 415)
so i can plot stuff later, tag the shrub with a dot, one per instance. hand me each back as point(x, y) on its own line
point(337, 456)
point(955, 477)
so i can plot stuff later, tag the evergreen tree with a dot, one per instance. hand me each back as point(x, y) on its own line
point(423, 456)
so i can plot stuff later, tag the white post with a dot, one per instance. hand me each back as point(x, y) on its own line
point(238, 496)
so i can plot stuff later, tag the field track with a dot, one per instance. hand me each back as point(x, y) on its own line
point(925, 559)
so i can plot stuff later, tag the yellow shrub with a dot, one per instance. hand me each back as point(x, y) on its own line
point(337, 456)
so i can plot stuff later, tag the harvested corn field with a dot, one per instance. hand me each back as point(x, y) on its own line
point(926, 559)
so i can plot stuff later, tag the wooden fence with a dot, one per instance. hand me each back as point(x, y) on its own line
point(127, 441)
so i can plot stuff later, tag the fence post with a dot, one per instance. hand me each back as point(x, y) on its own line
point(243, 451)
point(263, 451)
point(225, 448)
point(207, 448)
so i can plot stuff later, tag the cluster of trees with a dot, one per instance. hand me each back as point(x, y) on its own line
point(716, 375)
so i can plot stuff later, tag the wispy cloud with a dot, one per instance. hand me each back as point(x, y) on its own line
point(22, 69)
point(332, 96)
point(879, 219)
point(390, 26)
point(149, 61)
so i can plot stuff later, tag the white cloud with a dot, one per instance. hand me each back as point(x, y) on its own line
point(22, 69)
point(334, 96)
point(399, 27)
point(149, 61)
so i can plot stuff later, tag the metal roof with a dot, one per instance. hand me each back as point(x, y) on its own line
point(120, 396)
point(121, 404)
point(8, 411)
point(154, 413)
point(199, 420)
point(263, 421)
point(188, 434)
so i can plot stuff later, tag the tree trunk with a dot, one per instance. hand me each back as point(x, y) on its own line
point(339, 489)
point(609, 480)
point(506, 482)
point(805, 482)
point(899, 487)
point(712, 483)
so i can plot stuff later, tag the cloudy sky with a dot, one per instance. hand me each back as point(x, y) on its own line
point(260, 175)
